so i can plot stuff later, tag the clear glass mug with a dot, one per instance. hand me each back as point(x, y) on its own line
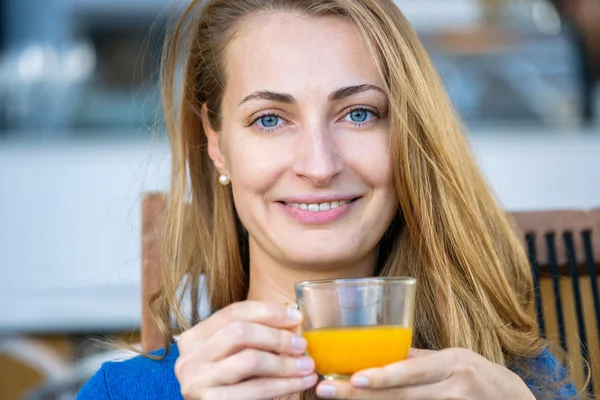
point(355, 324)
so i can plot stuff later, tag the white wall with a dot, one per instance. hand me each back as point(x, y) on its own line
point(69, 216)
point(533, 170)
point(69, 232)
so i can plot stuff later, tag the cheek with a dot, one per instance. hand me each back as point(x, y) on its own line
point(252, 163)
point(370, 157)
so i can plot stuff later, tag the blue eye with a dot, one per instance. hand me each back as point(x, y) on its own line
point(269, 121)
point(359, 115)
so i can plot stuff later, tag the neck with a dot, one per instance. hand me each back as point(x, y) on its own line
point(273, 281)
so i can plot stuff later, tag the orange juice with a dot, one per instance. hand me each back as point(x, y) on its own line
point(346, 350)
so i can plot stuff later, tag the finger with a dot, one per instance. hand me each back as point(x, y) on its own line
point(248, 364)
point(240, 335)
point(345, 390)
point(256, 389)
point(413, 353)
point(274, 315)
point(421, 370)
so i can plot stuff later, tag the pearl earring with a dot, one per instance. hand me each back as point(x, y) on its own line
point(224, 180)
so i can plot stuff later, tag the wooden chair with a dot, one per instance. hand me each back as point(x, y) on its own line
point(564, 249)
point(153, 224)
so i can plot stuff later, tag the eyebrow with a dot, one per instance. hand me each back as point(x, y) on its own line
point(289, 99)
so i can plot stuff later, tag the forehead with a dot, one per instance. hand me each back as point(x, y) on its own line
point(297, 54)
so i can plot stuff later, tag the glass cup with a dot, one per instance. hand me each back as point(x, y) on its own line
point(355, 324)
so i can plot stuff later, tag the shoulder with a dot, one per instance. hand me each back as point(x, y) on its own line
point(135, 378)
point(546, 371)
point(547, 364)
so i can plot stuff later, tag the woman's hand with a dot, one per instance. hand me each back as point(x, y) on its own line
point(447, 374)
point(244, 351)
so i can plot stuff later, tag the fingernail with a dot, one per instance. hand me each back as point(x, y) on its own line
point(294, 314)
point(299, 343)
point(310, 379)
point(360, 381)
point(326, 391)
point(305, 364)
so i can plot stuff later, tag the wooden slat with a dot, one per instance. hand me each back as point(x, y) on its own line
point(153, 222)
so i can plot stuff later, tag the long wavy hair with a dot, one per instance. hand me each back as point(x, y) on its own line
point(475, 286)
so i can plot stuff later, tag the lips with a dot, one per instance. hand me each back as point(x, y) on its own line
point(318, 212)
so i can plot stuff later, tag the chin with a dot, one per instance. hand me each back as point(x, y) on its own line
point(320, 259)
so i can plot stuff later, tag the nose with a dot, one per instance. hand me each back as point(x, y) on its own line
point(318, 159)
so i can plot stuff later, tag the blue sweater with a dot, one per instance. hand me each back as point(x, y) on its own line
point(143, 378)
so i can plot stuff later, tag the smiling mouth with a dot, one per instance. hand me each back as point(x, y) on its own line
point(318, 207)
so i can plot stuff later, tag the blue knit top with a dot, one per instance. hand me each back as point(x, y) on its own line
point(144, 378)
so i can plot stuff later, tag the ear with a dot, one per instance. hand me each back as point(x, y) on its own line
point(212, 138)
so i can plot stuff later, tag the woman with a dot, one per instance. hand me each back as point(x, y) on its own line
point(314, 140)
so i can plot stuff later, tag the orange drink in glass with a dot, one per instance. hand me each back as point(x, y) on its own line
point(355, 324)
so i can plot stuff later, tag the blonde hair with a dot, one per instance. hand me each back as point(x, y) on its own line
point(475, 286)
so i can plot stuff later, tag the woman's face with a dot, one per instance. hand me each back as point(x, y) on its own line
point(304, 138)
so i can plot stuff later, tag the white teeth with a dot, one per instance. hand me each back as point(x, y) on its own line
point(315, 207)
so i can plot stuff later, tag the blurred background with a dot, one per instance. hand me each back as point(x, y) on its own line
point(79, 143)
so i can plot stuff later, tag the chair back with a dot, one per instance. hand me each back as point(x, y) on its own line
point(564, 252)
